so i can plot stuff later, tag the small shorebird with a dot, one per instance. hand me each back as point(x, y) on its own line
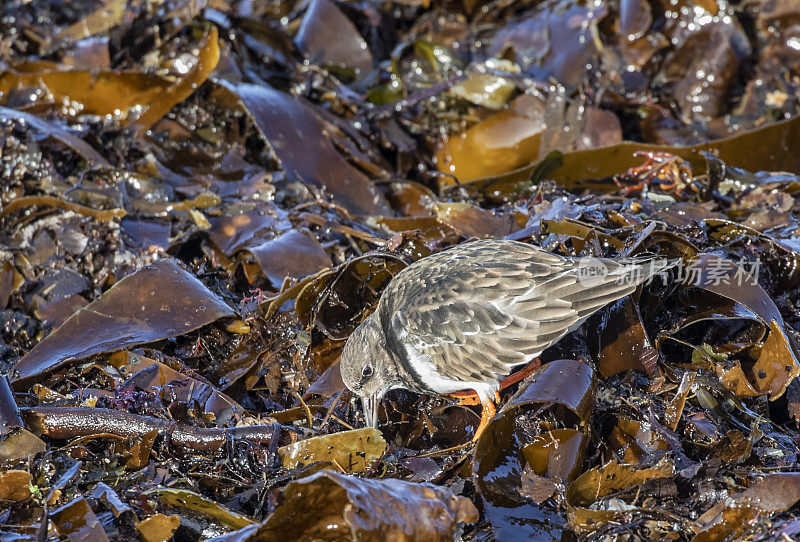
point(465, 317)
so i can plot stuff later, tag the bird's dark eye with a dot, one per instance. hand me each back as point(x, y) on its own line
point(366, 372)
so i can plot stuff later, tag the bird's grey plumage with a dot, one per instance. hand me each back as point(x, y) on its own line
point(476, 311)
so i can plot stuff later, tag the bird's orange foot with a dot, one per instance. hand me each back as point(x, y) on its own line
point(470, 398)
point(466, 397)
point(487, 413)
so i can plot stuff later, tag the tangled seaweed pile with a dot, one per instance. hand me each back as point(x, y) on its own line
point(201, 199)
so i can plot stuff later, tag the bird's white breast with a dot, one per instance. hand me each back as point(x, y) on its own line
point(424, 367)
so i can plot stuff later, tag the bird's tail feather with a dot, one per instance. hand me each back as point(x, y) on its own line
point(605, 280)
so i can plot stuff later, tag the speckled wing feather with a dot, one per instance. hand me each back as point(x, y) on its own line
point(476, 312)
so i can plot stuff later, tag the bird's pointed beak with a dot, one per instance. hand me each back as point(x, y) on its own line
point(370, 404)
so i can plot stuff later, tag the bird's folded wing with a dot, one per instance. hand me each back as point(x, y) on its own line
point(468, 342)
point(482, 333)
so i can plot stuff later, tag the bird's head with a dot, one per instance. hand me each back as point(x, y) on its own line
point(366, 367)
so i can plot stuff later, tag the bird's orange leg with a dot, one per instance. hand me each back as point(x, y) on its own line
point(523, 373)
point(488, 411)
point(488, 408)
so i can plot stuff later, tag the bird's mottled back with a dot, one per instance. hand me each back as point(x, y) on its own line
point(494, 268)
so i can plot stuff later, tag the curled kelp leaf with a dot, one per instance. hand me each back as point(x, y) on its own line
point(777, 365)
point(773, 141)
point(336, 301)
point(507, 448)
point(728, 279)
